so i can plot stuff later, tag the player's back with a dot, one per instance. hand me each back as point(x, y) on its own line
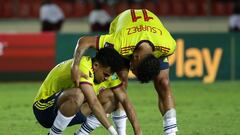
point(59, 78)
point(134, 17)
point(132, 27)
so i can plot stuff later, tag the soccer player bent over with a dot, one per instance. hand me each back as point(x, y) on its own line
point(139, 36)
point(58, 102)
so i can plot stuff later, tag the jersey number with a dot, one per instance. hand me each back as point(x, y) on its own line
point(145, 16)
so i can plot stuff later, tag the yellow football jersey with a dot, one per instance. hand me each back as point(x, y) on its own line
point(59, 78)
point(132, 27)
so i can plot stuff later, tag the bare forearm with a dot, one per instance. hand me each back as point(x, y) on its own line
point(132, 116)
point(82, 45)
point(99, 112)
point(124, 77)
point(79, 51)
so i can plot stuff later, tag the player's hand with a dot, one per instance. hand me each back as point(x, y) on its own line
point(112, 130)
point(76, 74)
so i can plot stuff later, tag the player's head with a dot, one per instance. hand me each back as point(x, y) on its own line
point(147, 68)
point(142, 55)
point(106, 62)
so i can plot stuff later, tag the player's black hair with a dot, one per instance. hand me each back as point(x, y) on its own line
point(148, 68)
point(108, 57)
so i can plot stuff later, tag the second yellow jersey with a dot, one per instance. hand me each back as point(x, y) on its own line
point(131, 27)
point(59, 79)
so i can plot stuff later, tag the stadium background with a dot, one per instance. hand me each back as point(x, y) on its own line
point(207, 53)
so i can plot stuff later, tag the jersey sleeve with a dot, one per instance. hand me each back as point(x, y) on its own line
point(105, 41)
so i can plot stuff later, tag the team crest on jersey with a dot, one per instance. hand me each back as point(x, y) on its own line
point(108, 45)
point(114, 76)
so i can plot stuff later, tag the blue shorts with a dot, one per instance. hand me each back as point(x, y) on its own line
point(46, 110)
point(164, 63)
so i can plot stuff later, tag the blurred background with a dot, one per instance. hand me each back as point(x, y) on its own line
point(177, 15)
point(35, 35)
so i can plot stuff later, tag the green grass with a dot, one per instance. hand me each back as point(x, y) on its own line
point(201, 109)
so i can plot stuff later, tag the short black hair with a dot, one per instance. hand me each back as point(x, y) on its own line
point(148, 68)
point(109, 57)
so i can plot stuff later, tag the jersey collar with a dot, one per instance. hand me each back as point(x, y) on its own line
point(149, 42)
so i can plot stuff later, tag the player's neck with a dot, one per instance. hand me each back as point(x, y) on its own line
point(144, 49)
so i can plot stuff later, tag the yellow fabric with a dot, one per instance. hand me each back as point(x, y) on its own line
point(59, 78)
point(111, 82)
point(125, 33)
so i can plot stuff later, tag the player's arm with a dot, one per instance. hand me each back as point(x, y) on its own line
point(96, 107)
point(166, 102)
point(82, 45)
point(122, 96)
point(123, 75)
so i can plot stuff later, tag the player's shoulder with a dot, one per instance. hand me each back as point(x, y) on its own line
point(107, 40)
point(86, 61)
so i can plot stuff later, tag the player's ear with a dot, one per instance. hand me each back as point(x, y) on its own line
point(96, 65)
point(135, 56)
